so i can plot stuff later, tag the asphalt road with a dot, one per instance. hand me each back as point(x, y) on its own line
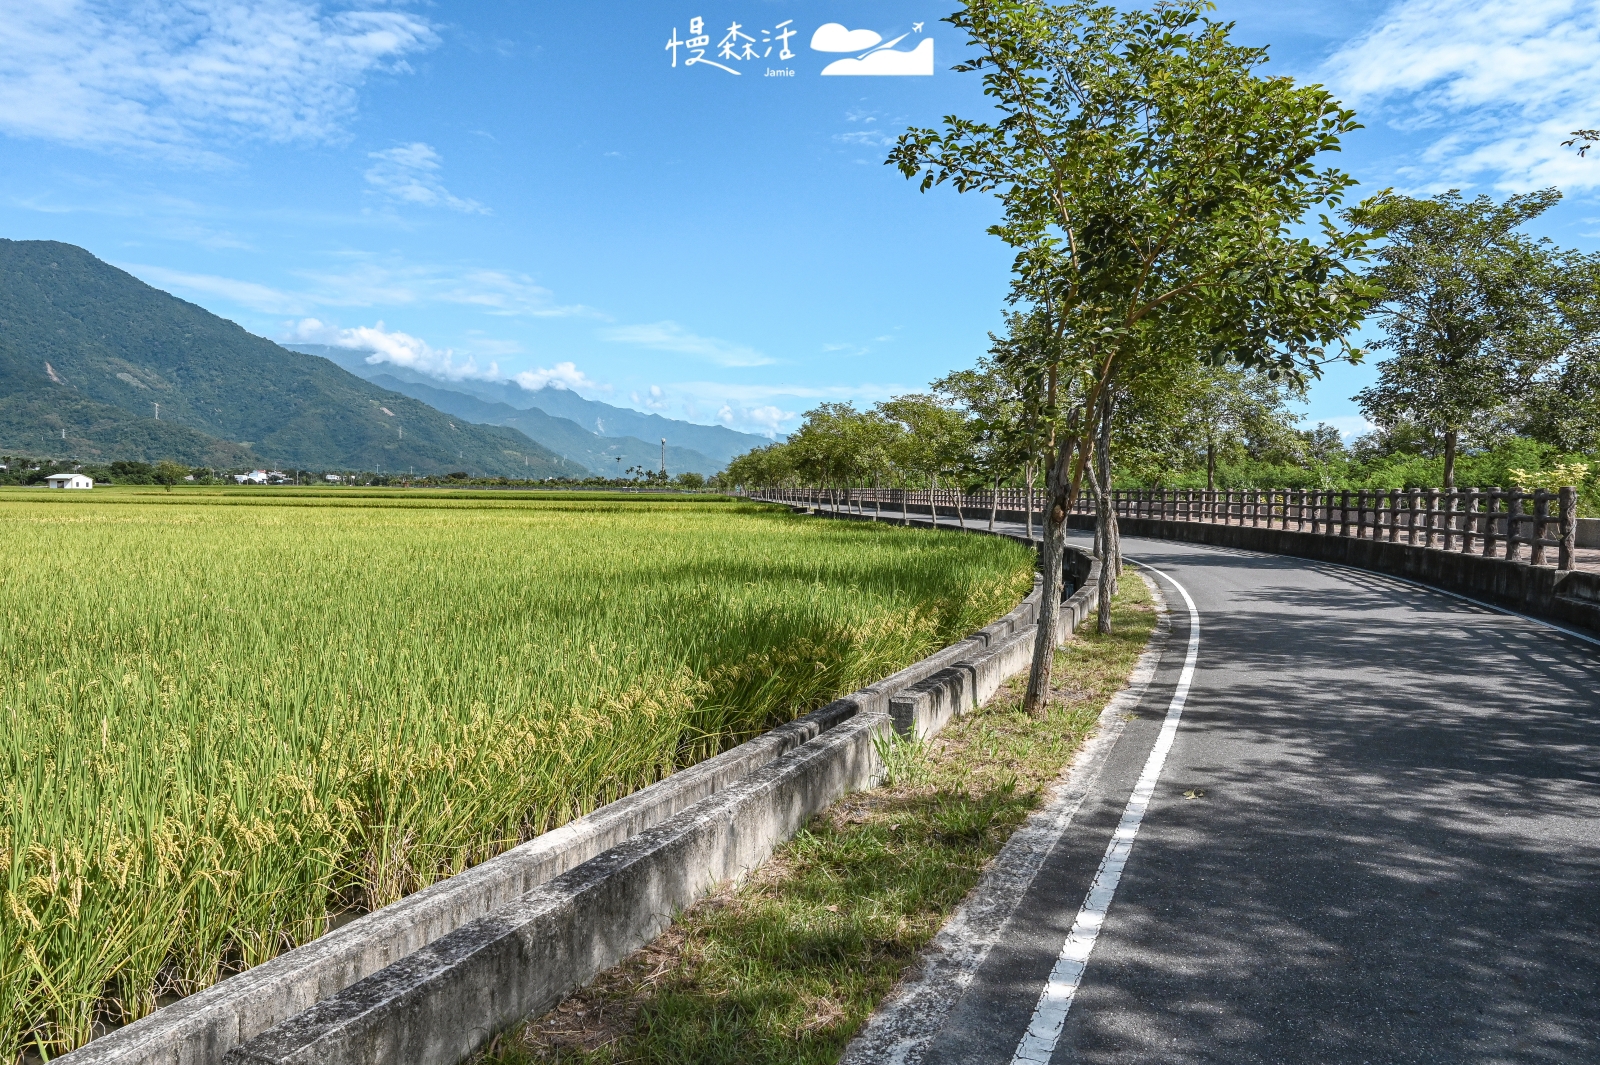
point(1391, 852)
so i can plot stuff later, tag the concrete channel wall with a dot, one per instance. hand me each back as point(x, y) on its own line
point(433, 976)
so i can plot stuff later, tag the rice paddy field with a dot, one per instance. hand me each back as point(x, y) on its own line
point(227, 716)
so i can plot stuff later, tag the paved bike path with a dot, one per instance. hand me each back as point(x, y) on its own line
point(1392, 853)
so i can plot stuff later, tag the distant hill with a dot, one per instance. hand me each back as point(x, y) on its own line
point(716, 442)
point(91, 350)
point(562, 435)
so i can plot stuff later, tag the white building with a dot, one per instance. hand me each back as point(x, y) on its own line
point(69, 480)
point(332, 478)
point(253, 477)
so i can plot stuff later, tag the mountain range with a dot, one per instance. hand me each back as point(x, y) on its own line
point(716, 443)
point(96, 365)
point(609, 456)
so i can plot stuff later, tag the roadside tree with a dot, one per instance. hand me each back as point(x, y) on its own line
point(1474, 311)
point(1150, 179)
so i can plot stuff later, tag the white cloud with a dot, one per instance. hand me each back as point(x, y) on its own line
point(654, 399)
point(770, 418)
point(410, 174)
point(670, 336)
point(768, 410)
point(871, 138)
point(177, 77)
point(561, 375)
point(369, 283)
point(393, 347)
point(833, 37)
point(752, 394)
point(1496, 85)
point(249, 294)
point(414, 353)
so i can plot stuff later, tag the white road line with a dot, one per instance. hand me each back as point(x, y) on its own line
point(1050, 1015)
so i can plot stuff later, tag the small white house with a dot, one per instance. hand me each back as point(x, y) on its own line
point(253, 477)
point(69, 480)
point(332, 478)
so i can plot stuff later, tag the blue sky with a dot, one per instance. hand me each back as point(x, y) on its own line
point(534, 191)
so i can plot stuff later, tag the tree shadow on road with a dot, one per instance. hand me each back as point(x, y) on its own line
point(1394, 845)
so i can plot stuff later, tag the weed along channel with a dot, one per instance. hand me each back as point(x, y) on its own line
point(244, 717)
point(786, 966)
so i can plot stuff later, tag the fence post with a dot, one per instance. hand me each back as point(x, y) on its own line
point(1567, 507)
point(1541, 518)
point(1491, 514)
point(1450, 498)
point(1514, 535)
point(1469, 521)
point(1430, 515)
point(1413, 504)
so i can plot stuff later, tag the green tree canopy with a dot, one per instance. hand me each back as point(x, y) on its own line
point(1474, 311)
point(1153, 183)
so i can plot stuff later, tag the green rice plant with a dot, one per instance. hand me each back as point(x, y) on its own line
point(225, 717)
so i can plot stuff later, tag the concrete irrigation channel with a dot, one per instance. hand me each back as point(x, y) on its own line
point(434, 976)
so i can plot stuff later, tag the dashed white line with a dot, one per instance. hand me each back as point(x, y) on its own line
point(1050, 1015)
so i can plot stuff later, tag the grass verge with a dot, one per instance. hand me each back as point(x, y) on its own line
point(787, 966)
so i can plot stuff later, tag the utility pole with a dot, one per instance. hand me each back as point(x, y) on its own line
point(158, 412)
point(663, 458)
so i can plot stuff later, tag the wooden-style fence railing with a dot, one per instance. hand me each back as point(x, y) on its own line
point(1493, 522)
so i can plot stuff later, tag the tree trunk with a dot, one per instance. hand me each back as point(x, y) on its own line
point(961, 518)
point(1047, 633)
point(1449, 459)
point(933, 499)
point(877, 496)
point(994, 502)
point(1106, 532)
point(1211, 465)
point(1027, 480)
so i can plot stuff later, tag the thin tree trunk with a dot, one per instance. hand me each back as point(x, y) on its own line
point(1211, 465)
point(877, 497)
point(1027, 477)
point(905, 500)
point(933, 499)
point(1047, 633)
point(961, 518)
point(994, 502)
point(1106, 522)
point(1449, 459)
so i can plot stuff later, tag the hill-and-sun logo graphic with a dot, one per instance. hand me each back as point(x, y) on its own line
point(743, 45)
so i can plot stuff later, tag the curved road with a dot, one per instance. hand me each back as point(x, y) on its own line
point(1391, 852)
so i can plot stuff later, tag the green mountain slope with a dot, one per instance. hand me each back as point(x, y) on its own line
point(561, 435)
point(91, 349)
